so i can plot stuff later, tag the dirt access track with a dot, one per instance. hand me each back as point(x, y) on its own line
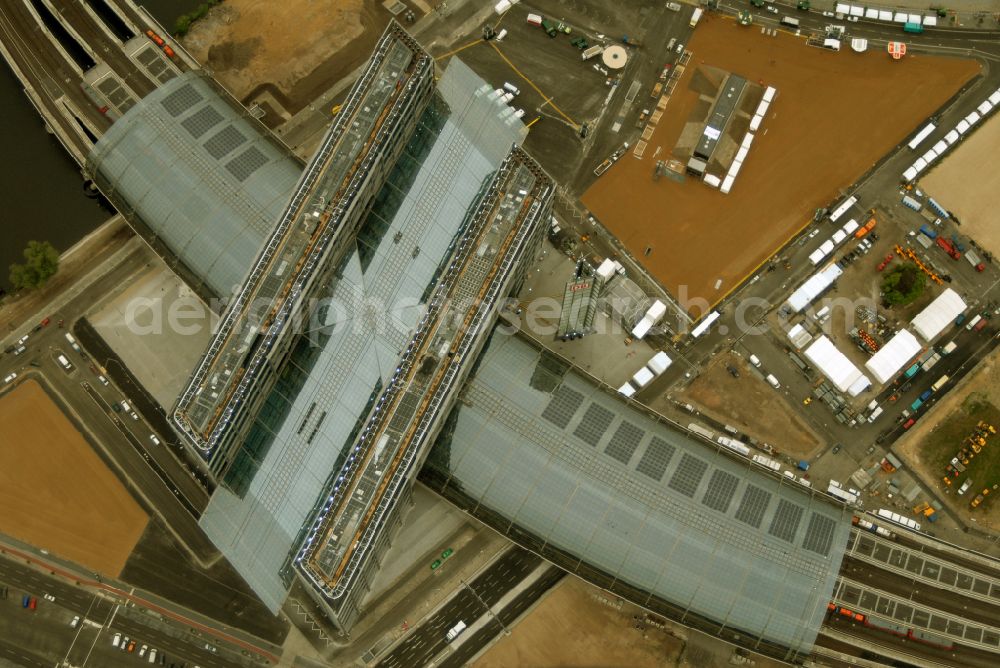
point(834, 116)
point(967, 183)
point(55, 492)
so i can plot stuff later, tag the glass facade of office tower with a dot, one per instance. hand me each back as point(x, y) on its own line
point(256, 516)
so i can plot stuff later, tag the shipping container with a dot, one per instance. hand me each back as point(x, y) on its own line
point(924, 133)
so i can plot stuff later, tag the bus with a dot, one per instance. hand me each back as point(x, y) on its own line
point(939, 384)
point(790, 22)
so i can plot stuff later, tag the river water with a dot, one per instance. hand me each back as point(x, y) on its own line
point(41, 185)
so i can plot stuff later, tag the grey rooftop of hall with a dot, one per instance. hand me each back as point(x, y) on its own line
point(541, 451)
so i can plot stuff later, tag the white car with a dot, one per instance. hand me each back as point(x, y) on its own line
point(680, 48)
point(49, 597)
point(211, 648)
point(153, 439)
point(853, 19)
point(20, 349)
point(755, 361)
point(76, 622)
point(103, 381)
point(829, 15)
point(10, 377)
point(142, 650)
point(772, 9)
point(24, 339)
point(117, 640)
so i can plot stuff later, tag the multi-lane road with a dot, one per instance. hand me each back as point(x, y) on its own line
point(474, 600)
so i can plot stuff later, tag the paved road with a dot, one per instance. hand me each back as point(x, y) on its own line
point(468, 604)
point(506, 618)
point(46, 632)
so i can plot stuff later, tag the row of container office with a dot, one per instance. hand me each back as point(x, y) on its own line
point(828, 246)
point(654, 368)
point(985, 108)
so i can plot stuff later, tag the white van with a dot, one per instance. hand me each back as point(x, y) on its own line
point(755, 361)
point(116, 640)
point(511, 88)
point(773, 381)
point(455, 631)
point(973, 322)
point(64, 362)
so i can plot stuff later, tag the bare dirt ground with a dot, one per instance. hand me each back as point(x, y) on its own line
point(579, 625)
point(963, 186)
point(826, 103)
point(914, 451)
point(292, 49)
point(55, 492)
point(574, 626)
point(741, 401)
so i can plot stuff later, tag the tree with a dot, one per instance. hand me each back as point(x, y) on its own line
point(41, 262)
point(903, 284)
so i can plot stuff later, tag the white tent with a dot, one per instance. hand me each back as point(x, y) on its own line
point(833, 364)
point(859, 386)
point(893, 356)
point(939, 314)
point(799, 336)
point(659, 363)
point(813, 287)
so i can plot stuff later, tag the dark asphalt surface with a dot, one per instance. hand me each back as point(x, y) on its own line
point(45, 635)
point(468, 604)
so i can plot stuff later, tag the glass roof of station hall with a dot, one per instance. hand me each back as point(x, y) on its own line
point(298, 440)
point(539, 450)
point(205, 179)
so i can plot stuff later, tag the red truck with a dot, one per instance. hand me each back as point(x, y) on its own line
point(949, 248)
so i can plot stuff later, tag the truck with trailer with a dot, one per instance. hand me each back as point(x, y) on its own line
point(949, 248)
point(974, 260)
point(589, 53)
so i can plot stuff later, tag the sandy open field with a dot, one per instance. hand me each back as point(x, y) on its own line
point(741, 401)
point(834, 116)
point(571, 627)
point(55, 492)
point(964, 187)
point(293, 49)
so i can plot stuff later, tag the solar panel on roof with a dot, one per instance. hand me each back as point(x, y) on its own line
point(594, 423)
point(181, 100)
point(563, 406)
point(819, 534)
point(786, 520)
point(202, 121)
point(224, 142)
point(624, 442)
point(656, 458)
point(688, 474)
point(721, 487)
point(246, 163)
point(752, 506)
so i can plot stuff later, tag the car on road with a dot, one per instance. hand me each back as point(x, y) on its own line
point(49, 597)
point(773, 382)
point(24, 339)
point(755, 361)
point(772, 9)
point(142, 650)
point(102, 380)
point(853, 19)
point(680, 48)
point(20, 349)
point(828, 15)
point(211, 648)
point(909, 423)
point(153, 439)
point(131, 646)
point(75, 623)
point(836, 448)
point(9, 377)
